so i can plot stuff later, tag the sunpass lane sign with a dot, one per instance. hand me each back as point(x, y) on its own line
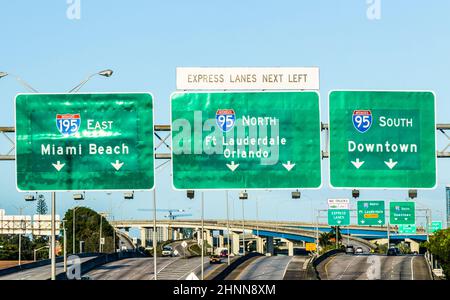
point(382, 139)
point(84, 142)
point(246, 140)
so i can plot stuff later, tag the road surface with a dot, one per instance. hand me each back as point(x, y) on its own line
point(39, 273)
point(266, 268)
point(374, 267)
point(141, 268)
point(138, 268)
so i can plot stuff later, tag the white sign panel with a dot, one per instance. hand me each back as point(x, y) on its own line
point(277, 78)
point(42, 224)
point(15, 224)
point(338, 203)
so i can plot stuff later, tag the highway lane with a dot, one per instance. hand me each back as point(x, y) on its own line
point(141, 268)
point(374, 267)
point(138, 268)
point(39, 273)
point(266, 268)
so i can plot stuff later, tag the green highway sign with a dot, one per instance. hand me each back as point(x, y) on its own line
point(402, 213)
point(338, 217)
point(370, 213)
point(68, 142)
point(382, 139)
point(245, 140)
point(407, 229)
point(435, 226)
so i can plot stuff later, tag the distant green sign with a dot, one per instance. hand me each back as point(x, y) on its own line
point(382, 139)
point(371, 213)
point(402, 213)
point(407, 229)
point(246, 140)
point(83, 142)
point(435, 226)
point(338, 217)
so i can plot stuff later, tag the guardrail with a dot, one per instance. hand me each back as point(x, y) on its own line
point(318, 259)
point(227, 271)
point(101, 260)
point(39, 263)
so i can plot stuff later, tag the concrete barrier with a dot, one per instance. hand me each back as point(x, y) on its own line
point(316, 261)
point(39, 263)
point(101, 260)
point(227, 271)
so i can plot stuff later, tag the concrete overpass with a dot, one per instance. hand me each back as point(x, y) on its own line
point(262, 232)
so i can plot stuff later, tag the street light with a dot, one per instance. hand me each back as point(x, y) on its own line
point(128, 195)
point(355, 193)
point(20, 80)
point(412, 194)
point(30, 197)
point(79, 197)
point(104, 73)
point(296, 195)
point(190, 194)
point(73, 228)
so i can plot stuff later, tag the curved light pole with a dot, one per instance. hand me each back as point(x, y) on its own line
point(20, 80)
point(104, 73)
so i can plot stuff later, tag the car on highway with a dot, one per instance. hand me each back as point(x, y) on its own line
point(392, 252)
point(215, 259)
point(359, 250)
point(349, 249)
point(167, 251)
point(223, 253)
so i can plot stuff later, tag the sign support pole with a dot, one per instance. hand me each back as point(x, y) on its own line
point(53, 241)
point(228, 230)
point(388, 236)
point(203, 232)
point(155, 244)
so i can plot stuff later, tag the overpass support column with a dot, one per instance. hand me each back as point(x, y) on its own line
point(165, 233)
point(176, 234)
point(269, 245)
point(143, 231)
point(221, 239)
point(209, 237)
point(259, 244)
point(235, 243)
point(290, 246)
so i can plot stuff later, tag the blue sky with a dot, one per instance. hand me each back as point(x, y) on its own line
point(144, 41)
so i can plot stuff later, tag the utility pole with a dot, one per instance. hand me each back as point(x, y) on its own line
point(203, 232)
point(100, 240)
point(243, 229)
point(155, 244)
point(65, 246)
point(53, 240)
point(228, 230)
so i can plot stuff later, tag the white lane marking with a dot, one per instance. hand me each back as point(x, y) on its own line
point(254, 264)
point(348, 266)
point(159, 271)
point(285, 269)
point(412, 268)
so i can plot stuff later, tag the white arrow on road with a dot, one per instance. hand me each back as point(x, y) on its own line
point(391, 164)
point(232, 166)
point(289, 166)
point(117, 165)
point(58, 166)
point(358, 163)
point(192, 276)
